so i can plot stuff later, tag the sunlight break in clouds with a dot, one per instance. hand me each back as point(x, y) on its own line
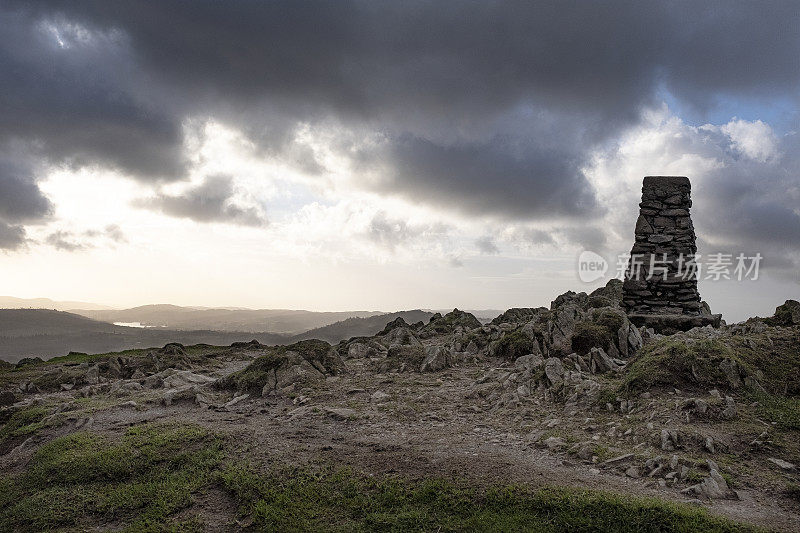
point(370, 158)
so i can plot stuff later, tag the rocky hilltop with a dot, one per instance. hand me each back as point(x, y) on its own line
point(419, 427)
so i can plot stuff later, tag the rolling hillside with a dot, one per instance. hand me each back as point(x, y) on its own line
point(285, 321)
point(46, 333)
point(361, 327)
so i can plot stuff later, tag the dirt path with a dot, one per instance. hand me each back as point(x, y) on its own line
point(423, 427)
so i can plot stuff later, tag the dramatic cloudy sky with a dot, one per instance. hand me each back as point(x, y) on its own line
point(387, 155)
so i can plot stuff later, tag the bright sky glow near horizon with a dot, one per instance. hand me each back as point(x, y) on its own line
point(362, 156)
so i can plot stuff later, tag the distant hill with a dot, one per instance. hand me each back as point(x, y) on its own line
point(27, 322)
point(285, 321)
point(361, 327)
point(46, 333)
point(11, 302)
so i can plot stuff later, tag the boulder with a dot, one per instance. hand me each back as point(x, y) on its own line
point(783, 465)
point(7, 398)
point(379, 397)
point(364, 349)
point(394, 324)
point(436, 358)
point(601, 362)
point(175, 379)
point(554, 370)
point(173, 348)
point(528, 362)
point(787, 314)
point(554, 443)
point(92, 376)
point(731, 370)
point(729, 412)
point(669, 439)
point(562, 326)
point(713, 487)
point(518, 315)
point(294, 371)
point(447, 324)
point(399, 336)
point(339, 413)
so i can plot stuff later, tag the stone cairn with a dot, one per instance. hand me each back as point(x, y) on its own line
point(660, 287)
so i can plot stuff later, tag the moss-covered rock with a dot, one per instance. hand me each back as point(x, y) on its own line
point(518, 315)
point(403, 358)
point(302, 363)
point(588, 335)
point(447, 324)
point(767, 361)
point(514, 344)
point(396, 323)
point(786, 314)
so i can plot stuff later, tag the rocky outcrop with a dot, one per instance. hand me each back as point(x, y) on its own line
point(787, 314)
point(287, 368)
point(447, 324)
point(399, 336)
point(517, 315)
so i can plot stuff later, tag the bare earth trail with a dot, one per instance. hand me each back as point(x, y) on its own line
point(426, 428)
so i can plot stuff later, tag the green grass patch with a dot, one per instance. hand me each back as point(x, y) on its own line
point(670, 362)
point(772, 358)
point(338, 500)
point(783, 410)
point(23, 423)
point(83, 478)
point(77, 357)
point(142, 480)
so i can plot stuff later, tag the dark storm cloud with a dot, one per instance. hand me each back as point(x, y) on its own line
point(20, 197)
point(11, 237)
point(76, 94)
point(486, 178)
point(212, 201)
point(21, 200)
point(491, 108)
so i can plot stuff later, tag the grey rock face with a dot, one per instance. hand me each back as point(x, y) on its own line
point(554, 371)
point(436, 358)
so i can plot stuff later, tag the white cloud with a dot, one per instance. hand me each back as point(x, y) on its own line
point(755, 140)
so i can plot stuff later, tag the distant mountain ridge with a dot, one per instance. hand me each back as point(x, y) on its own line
point(47, 333)
point(361, 327)
point(12, 302)
point(283, 321)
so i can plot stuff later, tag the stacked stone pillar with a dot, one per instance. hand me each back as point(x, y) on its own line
point(660, 289)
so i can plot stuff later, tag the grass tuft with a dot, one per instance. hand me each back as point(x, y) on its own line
point(339, 500)
point(84, 478)
point(23, 423)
